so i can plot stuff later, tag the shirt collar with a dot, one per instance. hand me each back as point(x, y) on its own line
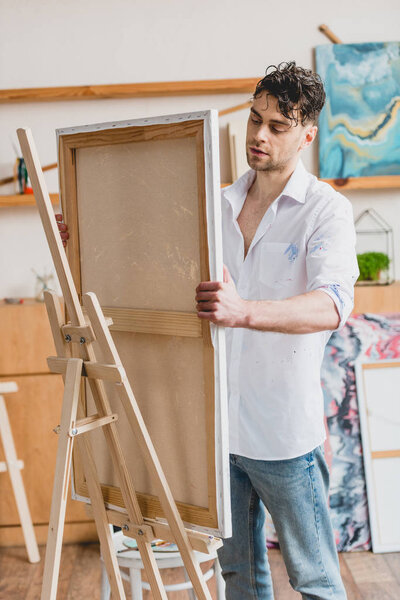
point(295, 188)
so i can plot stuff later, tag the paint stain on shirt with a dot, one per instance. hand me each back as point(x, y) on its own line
point(292, 251)
point(319, 245)
point(334, 287)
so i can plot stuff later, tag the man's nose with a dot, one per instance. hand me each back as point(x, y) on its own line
point(262, 134)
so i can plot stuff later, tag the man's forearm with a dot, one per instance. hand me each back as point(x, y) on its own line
point(305, 313)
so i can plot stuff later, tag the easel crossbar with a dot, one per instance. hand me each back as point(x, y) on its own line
point(91, 369)
point(92, 422)
point(156, 530)
point(19, 464)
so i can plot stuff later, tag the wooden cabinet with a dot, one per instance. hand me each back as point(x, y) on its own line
point(34, 411)
point(377, 298)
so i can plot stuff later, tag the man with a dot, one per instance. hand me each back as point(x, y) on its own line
point(289, 251)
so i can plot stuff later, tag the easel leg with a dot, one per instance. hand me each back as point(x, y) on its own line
point(17, 484)
point(61, 479)
point(100, 517)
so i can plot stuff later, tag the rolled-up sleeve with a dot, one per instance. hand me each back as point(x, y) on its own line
point(331, 260)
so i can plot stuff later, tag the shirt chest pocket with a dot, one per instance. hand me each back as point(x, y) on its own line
point(277, 263)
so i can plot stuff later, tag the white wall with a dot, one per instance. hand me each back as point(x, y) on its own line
point(55, 43)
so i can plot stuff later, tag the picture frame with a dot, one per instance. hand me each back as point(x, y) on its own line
point(142, 201)
point(379, 409)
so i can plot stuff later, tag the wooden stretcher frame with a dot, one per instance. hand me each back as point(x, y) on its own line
point(203, 126)
point(372, 456)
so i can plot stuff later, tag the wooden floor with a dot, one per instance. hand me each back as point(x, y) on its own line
point(366, 576)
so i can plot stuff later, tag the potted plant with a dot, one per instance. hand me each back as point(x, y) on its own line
point(371, 264)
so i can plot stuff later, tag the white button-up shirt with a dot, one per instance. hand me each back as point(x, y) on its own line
point(305, 241)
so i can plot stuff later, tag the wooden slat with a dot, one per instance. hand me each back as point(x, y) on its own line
point(360, 183)
point(94, 370)
point(61, 479)
point(93, 422)
point(150, 505)
point(383, 365)
point(24, 200)
point(130, 90)
point(365, 183)
point(89, 419)
point(208, 349)
point(12, 178)
point(154, 321)
point(329, 34)
point(70, 142)
point(232, 109)
point(385, 454)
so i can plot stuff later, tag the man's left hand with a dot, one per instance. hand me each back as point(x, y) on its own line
point(220, 303)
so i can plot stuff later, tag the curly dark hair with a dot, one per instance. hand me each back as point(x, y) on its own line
point(294, 88)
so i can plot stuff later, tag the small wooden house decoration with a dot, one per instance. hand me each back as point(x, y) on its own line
point(375, 251)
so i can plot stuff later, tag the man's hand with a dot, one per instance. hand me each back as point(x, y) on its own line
point(63, 229)
point(220, 303)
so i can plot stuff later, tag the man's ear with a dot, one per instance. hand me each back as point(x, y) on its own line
point(309, 136)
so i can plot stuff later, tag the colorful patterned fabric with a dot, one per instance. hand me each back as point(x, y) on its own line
point(366, 336)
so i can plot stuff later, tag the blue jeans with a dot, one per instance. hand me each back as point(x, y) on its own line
point(295, 492)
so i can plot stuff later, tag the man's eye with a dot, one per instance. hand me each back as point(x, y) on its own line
point(275, 130)
point(255, 120)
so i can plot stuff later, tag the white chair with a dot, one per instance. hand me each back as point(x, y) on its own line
point(130, 565)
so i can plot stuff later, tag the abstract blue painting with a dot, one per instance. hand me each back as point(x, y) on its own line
point(359, 126)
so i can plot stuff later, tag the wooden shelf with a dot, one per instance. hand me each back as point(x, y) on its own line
point(24, 200)
point(131, 90)
point(365, 183)
point(360, 183)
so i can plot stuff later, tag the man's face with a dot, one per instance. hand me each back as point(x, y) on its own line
point(272, 140)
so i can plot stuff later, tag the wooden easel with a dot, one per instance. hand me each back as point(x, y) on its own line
point(14, 466)
point(80, 333)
